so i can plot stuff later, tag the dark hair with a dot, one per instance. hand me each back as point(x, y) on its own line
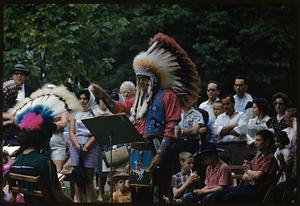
point(214, 82)
point(218, 101)
point(284, 97)
point(230, 97)
point(282, 137)
point(36, 138)
point(243, 78)
point(267, 135)
point(86, 92)
point(262, 105)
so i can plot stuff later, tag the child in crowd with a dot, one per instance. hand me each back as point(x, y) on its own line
point(282, 152)
point(184, 182)
point(218, 109)
point(122, 192)
point(218, 173)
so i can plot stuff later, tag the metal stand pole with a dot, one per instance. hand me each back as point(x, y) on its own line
point(111, 179)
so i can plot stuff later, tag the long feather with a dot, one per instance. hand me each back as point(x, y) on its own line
point(43, 100)
point(171, 63)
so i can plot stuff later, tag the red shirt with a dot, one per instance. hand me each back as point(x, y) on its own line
point(265, 163)
point(218, 176)
point(170, 104)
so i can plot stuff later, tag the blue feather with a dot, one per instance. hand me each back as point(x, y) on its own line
point(45, 112)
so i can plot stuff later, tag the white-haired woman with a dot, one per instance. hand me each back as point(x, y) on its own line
point(127, 89)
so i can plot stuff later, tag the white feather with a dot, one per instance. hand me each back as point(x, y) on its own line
point(151, 47)
point(18, 106)
point(69, 98)
point(57, 99)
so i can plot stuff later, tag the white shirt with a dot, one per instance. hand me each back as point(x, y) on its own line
point(255, 125)
point(209, 108)
point(21, 93)
point(240, 103)
point(224, 119)
point(292, 134)
point(285, 152)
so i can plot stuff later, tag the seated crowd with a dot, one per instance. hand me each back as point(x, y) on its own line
point(223, 131)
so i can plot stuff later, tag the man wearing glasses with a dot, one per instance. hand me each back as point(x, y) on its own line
point(212, 92)
point(19, 74)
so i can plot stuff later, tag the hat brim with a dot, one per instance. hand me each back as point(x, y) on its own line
point(209, 151)
point(116, 179)
point(25, 72)
point(122, 176)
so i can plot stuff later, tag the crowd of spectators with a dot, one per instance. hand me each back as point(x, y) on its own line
point(237, 125)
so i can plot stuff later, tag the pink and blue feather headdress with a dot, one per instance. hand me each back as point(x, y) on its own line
point(43, 106)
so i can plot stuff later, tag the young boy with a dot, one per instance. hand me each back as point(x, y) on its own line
point(218, 173)
point(218, 109)
point(122, 193)
point(184, 182)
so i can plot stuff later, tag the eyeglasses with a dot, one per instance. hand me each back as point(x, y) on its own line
point(18, 73)
point(278, 103)
point(211, 90)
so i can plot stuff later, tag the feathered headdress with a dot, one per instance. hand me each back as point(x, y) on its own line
point(43, 106)
point(168, 61)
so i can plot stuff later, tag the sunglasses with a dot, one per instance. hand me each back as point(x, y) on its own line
point(211, 90)
point(18, 73)
point(278, 103)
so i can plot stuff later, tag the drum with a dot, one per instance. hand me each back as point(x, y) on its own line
point(120, 155)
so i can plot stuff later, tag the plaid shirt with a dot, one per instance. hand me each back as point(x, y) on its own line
point(179, 179)
point(10, 92)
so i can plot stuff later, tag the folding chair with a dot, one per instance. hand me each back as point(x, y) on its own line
point(269, 194)
point(28, 186)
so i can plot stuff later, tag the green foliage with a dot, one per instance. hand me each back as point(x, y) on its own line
point(98, 42)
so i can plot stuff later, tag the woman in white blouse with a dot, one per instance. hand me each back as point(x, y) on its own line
point(260, 112)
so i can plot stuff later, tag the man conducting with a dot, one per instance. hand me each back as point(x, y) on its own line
point(166, 80)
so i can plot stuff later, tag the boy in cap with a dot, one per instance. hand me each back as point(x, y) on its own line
point(122, 193)
point(218, 173)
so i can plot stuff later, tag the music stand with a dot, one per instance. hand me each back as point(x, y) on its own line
point(112, 129)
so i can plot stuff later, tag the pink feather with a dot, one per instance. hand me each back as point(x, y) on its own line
point(31, 121)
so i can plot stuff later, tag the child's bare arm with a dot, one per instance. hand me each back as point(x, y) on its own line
point(177, 192)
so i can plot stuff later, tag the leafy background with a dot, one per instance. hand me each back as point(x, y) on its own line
point(97, 42)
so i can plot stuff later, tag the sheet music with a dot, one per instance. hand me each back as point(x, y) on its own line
point(11, 149)
point(60, 176)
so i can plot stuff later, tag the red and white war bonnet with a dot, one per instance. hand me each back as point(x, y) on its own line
point(167, 64)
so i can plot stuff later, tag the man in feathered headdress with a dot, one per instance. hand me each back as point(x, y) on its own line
point(166, 80)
